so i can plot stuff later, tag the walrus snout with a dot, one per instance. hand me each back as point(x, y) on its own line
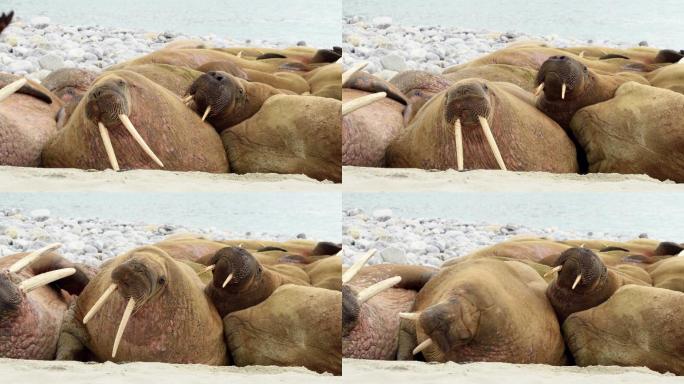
point(581, 269)
point(135, 280)
point(107, 102)
point(214, 91)
point(451, 324)
point(669, 56)
point(10, 295)
point(467, 102)
point(560, 75)
point(350, 310)
point(236, 268)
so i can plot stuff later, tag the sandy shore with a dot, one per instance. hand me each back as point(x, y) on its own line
point(365, 371)
point(20, 179)
point(417, 180)
point(30, 372)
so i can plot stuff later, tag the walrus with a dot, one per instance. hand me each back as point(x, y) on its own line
point(461, 126)
point(483, 310)
point(69, 83)
point(290, 134)
point(326, 81)
point(327, 272)
point(620, 138)
point(296, 326)
point(638, 326)
point(5, 20)
point(418, 87)
point(668, 273)
point(225, 100)
point(144, 306)
point(175, 79)
point(583, 282)
point(128, 121)
point(35, 291)
point(282, 80)
point(372, 299)
point(670, 77)
point(28, 119)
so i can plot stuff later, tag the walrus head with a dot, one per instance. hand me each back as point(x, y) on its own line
point(451, 324)
point(216, 93)
point(235, 269)
point(669, 56)
point(579, 269)
point(561, 77)
point(141, 277)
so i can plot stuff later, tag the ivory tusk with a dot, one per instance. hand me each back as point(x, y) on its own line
point(563, 87)
point(46, 278)
point(354, 269)
point(239, 54)
point(492, 143)
point(122, 326)
point(207, 269)
point(577, 280)
point(99, 303)
point(104, 134)
point(459, 144)
point(187, 99)
point(228, 279)
point(377, 288)
point(206, 113)
point(353, 105)
point(31, 257)
point(134, 132)
point(9, 89)
point(552, 270)
point(422, 346)
point(581, 54)
point(349, 72)
point(409, 315)
point(538, 90)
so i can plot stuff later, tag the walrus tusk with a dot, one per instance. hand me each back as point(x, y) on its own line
point(459, 144)
point(354, 269)
point(409, 315)
point(552, 270)
point(492, 143)
point(99, 303)
point(351, 71)
point(187, 99)
point(538, 90)
point(9, 89)
point(581, 54)
point(31, 257)
point(376, 288)
point(207, 269)
point(563, 91)
point(46, 278)
point(104, 134)
point(577, 280)
point(353, 105)
point(239, 54)
point(141, 142)
point(206, 113)
point(422, 346)
point(122, 326)
point(228, 279)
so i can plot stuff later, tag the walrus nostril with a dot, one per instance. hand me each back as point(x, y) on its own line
point(219, 78)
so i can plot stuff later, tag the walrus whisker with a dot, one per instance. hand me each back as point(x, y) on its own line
point(11, 88)
point(206, 113)
point(353, 105)
point(207, 269)
point(563, 87)
point(32, 257)
point(228, 279)
point(134, 132)
point(122, 326)
point(426, 343)
point(492, 143)
point(106, 140)
point(351, 71)
point(552, 270)
point(376, 288)
point(99, 303)
point(46, 278)
point(459, 144)
point(356, 267)
point(577, 280)
point(538, 90)
point(409, 315)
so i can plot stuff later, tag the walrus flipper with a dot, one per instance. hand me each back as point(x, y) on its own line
point(326, 56)
point(73, 284)
point(73, 338)
point(613, 56)
point(5, 20)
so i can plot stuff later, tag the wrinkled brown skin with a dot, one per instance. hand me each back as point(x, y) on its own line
point(232, 100)
point(175, 79)
point(174, 322)
point(371, 331)
point(621, 138)
point(670, 77)
point(291, 135)
point(528, 139)
point(649, 331)
point(596, 285)
point(173, 131)
point(28, 119)
point(288, 81)
point(668, 274)
point(418, 87)
point(30, 323)
point(326, 273)
point(368, 131)
point(485, 310)
point(295, 326)
point(224, 66)
point(69, 83)
point(326, 81)
point(528, 249)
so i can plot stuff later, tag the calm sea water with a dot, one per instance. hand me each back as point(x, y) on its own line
point(315, 21)
point(658, 214)
point(287, 213)
point(657, 21)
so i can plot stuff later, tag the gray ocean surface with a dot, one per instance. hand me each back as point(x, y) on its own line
point(317, 22)
point(660, 22)
point(282, 213)
point(656, 214)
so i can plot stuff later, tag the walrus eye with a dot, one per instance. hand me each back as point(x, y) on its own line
point(486, 88)
point(162, 280)
point(121, 83)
